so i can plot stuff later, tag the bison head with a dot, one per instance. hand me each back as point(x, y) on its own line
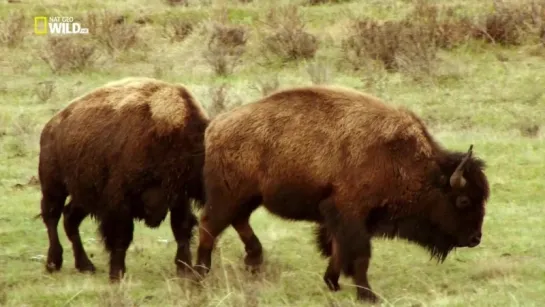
point(460, 207)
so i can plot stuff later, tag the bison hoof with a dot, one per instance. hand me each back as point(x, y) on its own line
point(332, 283)
point(367, 295)
point(85, 267)
point(253, 263)
point(53, 267)
point(253, 269)
point(54, 260)
point(331, 278)
point(183, 270)
point(116, 276)
point(200, 272)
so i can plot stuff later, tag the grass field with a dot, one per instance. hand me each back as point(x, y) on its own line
point(480, 88)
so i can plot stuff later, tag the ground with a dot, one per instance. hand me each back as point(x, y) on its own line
point(477, 93)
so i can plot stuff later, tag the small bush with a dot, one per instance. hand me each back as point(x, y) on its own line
point(319, 2)
point(177, 29)
point(528, 129)
point(504, 27)
point(267, 86)
point(285, 35)
point(67, 54)
point(161, 69)
point(226, 45)
point(218, 97)
point(221, 100)
point(318, 72)
point(13, 29)
point(112, 31)
point(512, 24)
point(44, 90)
point(448, 29)
point(177, 2)
point(410, 44)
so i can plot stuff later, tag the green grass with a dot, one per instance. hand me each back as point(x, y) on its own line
point(472, 98)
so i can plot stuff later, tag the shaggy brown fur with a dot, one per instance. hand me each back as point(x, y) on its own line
point(345, 160)
point(132, 149)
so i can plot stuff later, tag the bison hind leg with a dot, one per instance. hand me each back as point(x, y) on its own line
point(252, 244)
point(52, 203)
point(182, 223)
point(323, 240)
point(73, 216)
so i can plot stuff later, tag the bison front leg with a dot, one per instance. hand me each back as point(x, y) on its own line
point(350, 250)
point(182, 222)
point(117, 230)
point(361, 266)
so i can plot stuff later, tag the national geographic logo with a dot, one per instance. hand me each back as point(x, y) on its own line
point(57, 25)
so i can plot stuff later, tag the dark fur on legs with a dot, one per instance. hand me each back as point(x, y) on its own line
point(182, 223)
point(323, 240)
point(52, 204)
point(351, 250)
point(214, 220)
point(73, 216)
point(117, 232)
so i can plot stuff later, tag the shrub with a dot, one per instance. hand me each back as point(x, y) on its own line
point(504, 26)
point(13, 29)
point(285, 35)
point(220, 100)
point(177, 29)
point(177, 2)
point(267, 86)
point(447, 29)
point(318, 72)
point(226, 45)
point(44, 90)
point(408, 44)
point(112, 31)
point(67, 54)
point(513, 23)
point(318, 2)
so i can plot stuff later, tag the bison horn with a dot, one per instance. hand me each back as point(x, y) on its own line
point(457, 179)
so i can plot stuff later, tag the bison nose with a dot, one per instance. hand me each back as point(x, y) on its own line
point(475, 239)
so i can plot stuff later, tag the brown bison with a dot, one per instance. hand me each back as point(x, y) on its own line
point(356, 166)
point(132, 149)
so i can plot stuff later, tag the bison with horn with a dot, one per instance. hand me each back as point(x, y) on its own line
point(356, 166)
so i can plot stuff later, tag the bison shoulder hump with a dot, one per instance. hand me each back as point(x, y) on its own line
point(170, 105)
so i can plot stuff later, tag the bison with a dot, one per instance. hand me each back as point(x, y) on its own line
point(347, 161)
point(131, 149)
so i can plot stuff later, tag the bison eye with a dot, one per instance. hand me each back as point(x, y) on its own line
point(462, 202)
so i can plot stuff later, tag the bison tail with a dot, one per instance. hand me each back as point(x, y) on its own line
point(323, 240)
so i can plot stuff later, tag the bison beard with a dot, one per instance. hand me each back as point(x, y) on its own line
point(132, 149)
point(347, 161)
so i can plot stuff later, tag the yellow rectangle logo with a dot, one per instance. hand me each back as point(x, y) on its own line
point(40, 25)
